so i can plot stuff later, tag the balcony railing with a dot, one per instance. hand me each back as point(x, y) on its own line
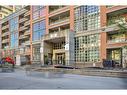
point(27, 32)
point(23, 19)
point(27, 13)
point(4, 27)
point(113, 27)
point(53, 10)
point(23, 28)
point(27, 43)
point(59, 11)
point(55, 34)
point(23, 37)
point(27, 23)
point(5, 34)
point(59, 21)
point(117, 41)
point(5, 40)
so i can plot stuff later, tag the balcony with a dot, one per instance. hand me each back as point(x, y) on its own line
point(23, 28)
point(27, 13)
point(5, 41)
point(113, 27)
point(23, 37)
point(27, 7)
point(60, 22)
point(8, 7)
point(27, 23)
point(54, 8)
point(114, 41)
point(115, 10)
point(27, 32)
point(5, 34)
point(4, 27)
point(55, 35)
point(27, 43)
point(22, 20)
point(59, 11)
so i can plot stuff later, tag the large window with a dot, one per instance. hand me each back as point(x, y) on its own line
point(36, 52)
point(59, 45)
point(14, 32)
point(38, 30)
point(14, 40)
point(116, 38)
point(116, 19)
point(38, 12)
point(87, 48)
point(87, 18)
point(14, 24)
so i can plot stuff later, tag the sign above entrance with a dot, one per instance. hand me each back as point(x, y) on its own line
point(53, 35)
point(41, 50)
point(67, 46)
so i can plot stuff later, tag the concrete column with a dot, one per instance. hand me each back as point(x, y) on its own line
point(18, 61)
point(103, 53)
point(69, 39)
point(103, 16)
point(47, 19)
point(42, 52)
point(124, 58)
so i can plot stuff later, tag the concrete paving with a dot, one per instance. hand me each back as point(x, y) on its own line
point(39, 80)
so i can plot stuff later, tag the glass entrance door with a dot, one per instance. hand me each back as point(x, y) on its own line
point(116, 55)
point(60, 58)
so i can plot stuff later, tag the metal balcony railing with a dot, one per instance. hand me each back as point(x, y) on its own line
point(4, 27)
point(27, 32)
point(23, 28)
point(53, 10)
point(27, 43)
point(23, 37)
point(27, 13)
point(59, 11)
point(27, 23)
point(5, 40)
point(55, 34)
point(113, 27)
point(117, 41)
point(22, 20)
point(5, 34)
point(59, 21)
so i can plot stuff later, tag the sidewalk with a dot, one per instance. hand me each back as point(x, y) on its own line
point(86, 71)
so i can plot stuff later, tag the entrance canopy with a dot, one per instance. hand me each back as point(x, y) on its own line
point(55, 40)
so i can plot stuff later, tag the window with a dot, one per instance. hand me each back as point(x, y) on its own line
point(38, 30)
point(87, 18)
point(14, 24)
point(37, 7)
point(14, 40)
point(36, 15)
point(59, 45)
point(38, 12)
point(42, 12)
point(87, 48)
point(36, 52)
point(14, 32)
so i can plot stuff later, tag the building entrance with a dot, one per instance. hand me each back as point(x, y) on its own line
point(116, 55)
point(60, 58)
